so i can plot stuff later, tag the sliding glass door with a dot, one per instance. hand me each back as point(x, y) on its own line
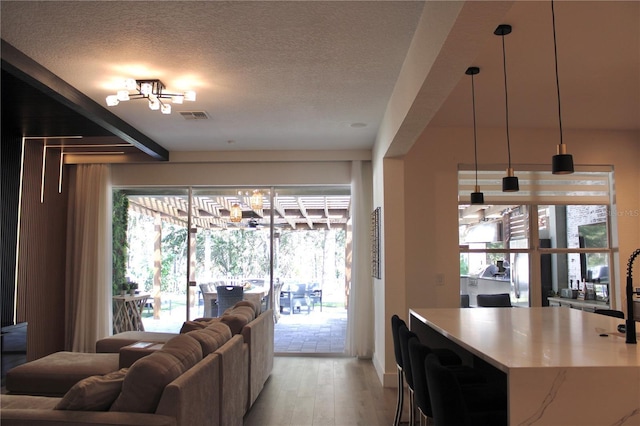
point(287, 247)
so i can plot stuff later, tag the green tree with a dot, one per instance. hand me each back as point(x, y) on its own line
point(119, 225)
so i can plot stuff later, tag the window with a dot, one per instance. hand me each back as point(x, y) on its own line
point(553, 234)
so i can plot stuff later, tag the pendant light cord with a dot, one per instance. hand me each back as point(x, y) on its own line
point(555, 55)
point(475, 142)
point(506, 98)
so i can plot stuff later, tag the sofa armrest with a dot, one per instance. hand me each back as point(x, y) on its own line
point(258, 335)
point(32, 417)
point(233, 381)
point(194, 397)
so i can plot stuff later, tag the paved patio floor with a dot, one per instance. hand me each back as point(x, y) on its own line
point(314, 332)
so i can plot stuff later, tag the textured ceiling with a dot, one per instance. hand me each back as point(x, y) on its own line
point(316, 75)
point(270, 75)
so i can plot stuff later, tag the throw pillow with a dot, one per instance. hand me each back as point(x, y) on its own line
point(144, 383)
point(235, 322)
point(95, 393)
point(188, 326)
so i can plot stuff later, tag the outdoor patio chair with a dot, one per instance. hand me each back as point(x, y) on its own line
point(209, 296)
point(228, 296)
point(300, 298)
point(316, 297)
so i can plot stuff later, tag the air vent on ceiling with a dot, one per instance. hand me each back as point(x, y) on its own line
point(194, 115)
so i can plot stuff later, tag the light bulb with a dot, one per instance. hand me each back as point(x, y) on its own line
point(154, 104)
point(112, 100)
point(146, 89)
point(130, 84)
point(190, 95)
point(166, 109)
point(177, 99)
point(123, 95)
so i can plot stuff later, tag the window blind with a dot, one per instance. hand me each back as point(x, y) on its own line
point(588, 185)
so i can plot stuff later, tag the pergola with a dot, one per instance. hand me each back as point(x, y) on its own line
point(212, 211)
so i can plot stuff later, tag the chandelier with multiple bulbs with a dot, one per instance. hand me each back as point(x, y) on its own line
point(153, 91)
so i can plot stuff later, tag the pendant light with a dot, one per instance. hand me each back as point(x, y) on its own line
point(477, 197)
point(509, 182)
point(561, 163)
point(256, 200)
point(235, 214)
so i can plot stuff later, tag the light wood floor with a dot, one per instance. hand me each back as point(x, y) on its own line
point(323, 391)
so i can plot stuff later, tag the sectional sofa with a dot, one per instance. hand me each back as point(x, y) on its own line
point(210, 373)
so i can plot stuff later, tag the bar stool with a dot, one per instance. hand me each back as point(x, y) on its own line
point(453, 403)
point(396, 322)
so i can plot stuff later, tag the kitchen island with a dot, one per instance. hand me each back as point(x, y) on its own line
point(561, 366)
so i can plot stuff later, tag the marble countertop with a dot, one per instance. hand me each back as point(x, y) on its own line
point(511, 338)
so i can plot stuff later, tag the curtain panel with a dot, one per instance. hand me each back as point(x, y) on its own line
point(88, 277)
point(360, 330)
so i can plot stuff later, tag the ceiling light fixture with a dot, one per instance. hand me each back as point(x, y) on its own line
point(477, 197)
point(509, 182)
point(561, 163)
point(153, 91)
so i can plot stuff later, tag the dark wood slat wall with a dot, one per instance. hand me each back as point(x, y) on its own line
point(10, 187)
point(42, 254)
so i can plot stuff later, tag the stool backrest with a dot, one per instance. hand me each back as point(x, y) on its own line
point(502, 300)
point(396, 322)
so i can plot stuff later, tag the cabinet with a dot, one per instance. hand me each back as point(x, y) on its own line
point(584, 305)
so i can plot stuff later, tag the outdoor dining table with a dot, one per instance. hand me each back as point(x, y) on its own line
point(254, 294)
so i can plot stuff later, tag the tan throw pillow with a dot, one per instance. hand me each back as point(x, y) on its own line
point(95, 393)
point(145, 381)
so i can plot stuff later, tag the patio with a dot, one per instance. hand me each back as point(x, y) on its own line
point(313, 333)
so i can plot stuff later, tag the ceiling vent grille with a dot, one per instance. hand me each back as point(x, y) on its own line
point(194, 115)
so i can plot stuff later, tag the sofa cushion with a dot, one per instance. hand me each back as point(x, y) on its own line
point(247, 311)
point(212, 337)
point(188, 326)
point(56, 373)
point(95, 393)
point(185, 348)
point(26, 402)
point(255, 306)
point(235, 322)
point(145, 381)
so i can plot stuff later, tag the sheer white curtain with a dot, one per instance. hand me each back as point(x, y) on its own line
point(88, 284)
point(360, 338)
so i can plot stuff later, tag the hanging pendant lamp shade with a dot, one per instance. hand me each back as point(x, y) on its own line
point(235, 214)
point(561, 163)
point(256, 200)
point(509, 182)
point(477, 197)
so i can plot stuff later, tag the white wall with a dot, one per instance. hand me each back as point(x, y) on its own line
point(238, 173)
